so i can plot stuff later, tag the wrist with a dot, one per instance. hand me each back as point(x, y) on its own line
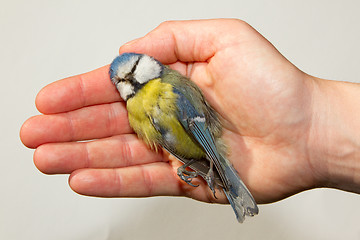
point(334, 137)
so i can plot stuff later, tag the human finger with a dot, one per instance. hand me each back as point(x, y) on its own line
point(187, 41)
point(113, 152)
point(135, 181)
point(76, 92)
point(87, 123)
point(155, 179)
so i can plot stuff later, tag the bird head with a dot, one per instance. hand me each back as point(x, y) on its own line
point(130, 71)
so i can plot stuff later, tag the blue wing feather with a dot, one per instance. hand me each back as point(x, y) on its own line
point(195, 123)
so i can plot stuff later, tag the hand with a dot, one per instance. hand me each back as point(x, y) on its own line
point(264, 100)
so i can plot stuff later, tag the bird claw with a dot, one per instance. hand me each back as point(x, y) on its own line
point(209, 178)
point(185, 175)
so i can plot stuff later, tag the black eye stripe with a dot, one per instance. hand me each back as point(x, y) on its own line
point(130, 75)
point(135, 66)
point(119, 79)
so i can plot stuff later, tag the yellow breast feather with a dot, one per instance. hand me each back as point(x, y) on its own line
point(154, 105)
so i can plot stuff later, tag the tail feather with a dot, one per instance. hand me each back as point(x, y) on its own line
point(237, 193)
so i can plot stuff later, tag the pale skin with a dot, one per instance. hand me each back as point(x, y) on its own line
point(286, 131)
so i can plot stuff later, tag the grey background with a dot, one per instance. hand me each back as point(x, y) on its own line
point(43, 41)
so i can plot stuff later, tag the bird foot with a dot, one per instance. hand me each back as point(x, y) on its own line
point(209, 178)
point(186, 175)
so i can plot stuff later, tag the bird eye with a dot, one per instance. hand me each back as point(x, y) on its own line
point(116, 80)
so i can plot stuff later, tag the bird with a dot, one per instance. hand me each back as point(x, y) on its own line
point(168, 110)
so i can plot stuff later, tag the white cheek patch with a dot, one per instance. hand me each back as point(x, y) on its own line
point(125, 68)
point(147, 69)
point(125, 89)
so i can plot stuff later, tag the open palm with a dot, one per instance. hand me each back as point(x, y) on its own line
point(263, 100)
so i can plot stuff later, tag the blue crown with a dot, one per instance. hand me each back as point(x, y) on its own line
point(119, 60)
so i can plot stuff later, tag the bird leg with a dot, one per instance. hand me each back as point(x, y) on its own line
point(186, 175)
point(209, 178)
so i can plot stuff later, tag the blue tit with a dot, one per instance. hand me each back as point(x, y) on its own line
point(167, 109)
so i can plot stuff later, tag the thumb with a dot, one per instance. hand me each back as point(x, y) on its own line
point(185, 41)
